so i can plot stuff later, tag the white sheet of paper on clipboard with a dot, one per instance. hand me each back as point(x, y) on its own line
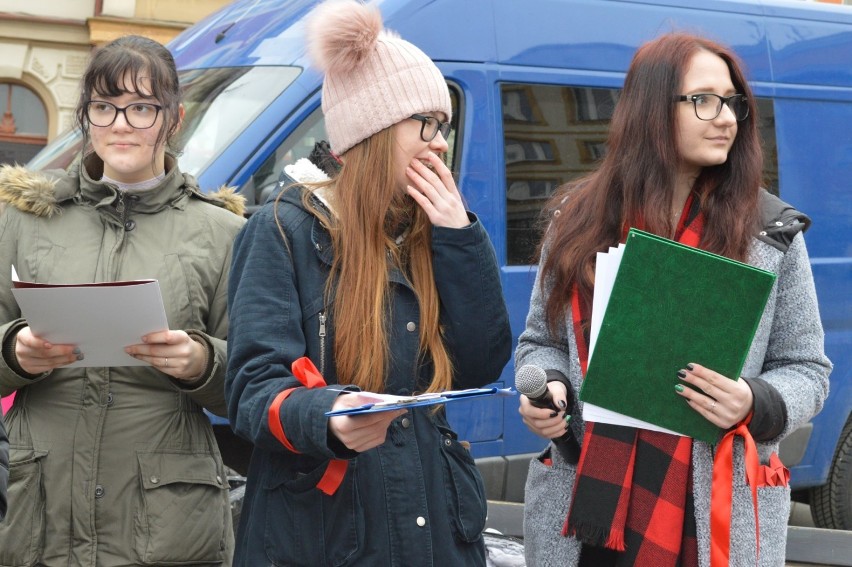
point(388, 402)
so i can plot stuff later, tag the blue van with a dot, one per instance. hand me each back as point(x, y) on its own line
point(533, 86)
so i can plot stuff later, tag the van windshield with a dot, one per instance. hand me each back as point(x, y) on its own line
point(220, 103)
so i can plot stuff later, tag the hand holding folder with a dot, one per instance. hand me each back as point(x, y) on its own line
point(670, 304)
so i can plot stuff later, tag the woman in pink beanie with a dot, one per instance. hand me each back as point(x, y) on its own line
point(377, 280)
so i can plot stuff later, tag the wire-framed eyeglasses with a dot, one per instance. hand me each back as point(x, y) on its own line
point(139, 115)
point(708, 105)
point(430, 126)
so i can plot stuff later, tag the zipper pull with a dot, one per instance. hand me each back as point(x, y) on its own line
point(120, 206)
point(322, 324)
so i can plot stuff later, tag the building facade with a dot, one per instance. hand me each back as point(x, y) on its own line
point(44, 48)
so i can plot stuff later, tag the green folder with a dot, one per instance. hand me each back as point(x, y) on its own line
point(670, 305)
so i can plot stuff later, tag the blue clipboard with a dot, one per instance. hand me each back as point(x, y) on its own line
point(425, 400)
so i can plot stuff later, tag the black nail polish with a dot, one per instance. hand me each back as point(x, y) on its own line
point(554, 414)
point(690, 367)
point(562, 404)
point(681, 374)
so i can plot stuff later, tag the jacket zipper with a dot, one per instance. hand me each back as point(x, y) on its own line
point(322, 333)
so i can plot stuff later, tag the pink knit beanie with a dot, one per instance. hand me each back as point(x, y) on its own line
point(373, 78)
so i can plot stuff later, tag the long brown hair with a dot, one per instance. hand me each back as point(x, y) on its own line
point(370, 215)
point(636, 179)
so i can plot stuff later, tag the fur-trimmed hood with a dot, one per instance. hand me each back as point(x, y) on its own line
point(41, 192)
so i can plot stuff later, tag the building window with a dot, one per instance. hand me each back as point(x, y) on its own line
point(23, 123)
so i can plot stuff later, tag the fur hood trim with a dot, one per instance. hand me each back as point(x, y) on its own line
point(230, 199)
point(304, 171)
point(30, 191)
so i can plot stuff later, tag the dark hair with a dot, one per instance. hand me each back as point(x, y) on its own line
point(133, 57)
point(635, 182)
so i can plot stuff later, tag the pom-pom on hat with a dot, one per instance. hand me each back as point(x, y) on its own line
point(373, 78)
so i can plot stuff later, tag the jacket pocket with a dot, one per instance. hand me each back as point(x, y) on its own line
point(22, 532)
point(773, 504)
point(305, 527)
point(465, 491)
point(773, 510)
point(181, 510)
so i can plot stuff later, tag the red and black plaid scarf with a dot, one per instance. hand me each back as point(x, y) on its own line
point(633, 492)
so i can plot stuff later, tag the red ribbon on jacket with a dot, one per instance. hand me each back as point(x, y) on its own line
point(721, 496)
point(309, 376)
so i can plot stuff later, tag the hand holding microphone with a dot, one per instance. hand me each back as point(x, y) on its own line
point(532, 382)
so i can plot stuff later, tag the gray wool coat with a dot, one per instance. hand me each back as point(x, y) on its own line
point(787, 353)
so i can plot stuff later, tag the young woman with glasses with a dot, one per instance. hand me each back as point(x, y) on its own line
point(119, 465)
point(376, 280)
point(684, 161)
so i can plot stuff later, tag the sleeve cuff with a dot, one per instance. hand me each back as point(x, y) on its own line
point(9, 352)
point(770, 411)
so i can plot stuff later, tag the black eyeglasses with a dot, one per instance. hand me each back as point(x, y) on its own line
point(430, 126)
point(139, 115)
point(708, 106)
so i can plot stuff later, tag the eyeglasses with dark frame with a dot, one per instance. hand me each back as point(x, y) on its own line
point(430, 126)
point(139, 115)
point(708, 105)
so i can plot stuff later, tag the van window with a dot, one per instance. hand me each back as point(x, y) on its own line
point(300, 143)
point(553, 134)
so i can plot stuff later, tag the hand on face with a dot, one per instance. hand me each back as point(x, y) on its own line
point(436, 192)
point(724, 402)
point(360, 432)
point(172, 352)
point(36, 355)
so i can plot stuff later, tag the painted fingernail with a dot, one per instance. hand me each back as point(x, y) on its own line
point(76, 350)
point(562, 404)
point(679, 387)
point(554, 414)
point(681, 374)
point(690, 367)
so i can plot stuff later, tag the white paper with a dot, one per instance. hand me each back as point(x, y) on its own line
point(100, 319)
point(606, 268)
point(598, 414)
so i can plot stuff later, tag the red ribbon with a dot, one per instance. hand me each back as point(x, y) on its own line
point(721, 499)
point(309, 376)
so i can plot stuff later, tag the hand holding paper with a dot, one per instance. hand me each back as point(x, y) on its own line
point(99, 319)
point(360, 432)
point(36, 355)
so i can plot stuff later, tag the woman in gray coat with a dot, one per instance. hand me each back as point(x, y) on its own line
point(684, 162)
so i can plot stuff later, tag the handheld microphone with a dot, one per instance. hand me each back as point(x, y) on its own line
point(531, 381)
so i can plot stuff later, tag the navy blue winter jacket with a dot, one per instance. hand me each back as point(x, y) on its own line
point(417, 500)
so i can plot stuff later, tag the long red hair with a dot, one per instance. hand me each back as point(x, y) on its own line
point(370, 213)
point(636, 179)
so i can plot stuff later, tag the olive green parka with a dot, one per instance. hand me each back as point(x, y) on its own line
point(116, 466)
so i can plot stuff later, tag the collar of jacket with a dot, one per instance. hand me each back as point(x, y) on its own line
point(42, 193)
point(173, 191)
